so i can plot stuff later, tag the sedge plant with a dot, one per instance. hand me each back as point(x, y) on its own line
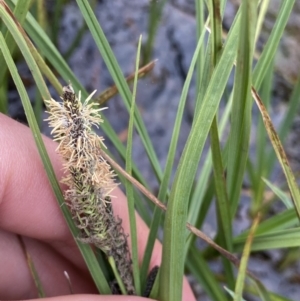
point(182, 206)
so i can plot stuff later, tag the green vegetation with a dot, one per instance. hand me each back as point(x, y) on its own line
point(183, 204)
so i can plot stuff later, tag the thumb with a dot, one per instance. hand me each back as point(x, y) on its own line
point(95, 298)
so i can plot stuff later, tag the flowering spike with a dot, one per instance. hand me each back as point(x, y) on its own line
point(89, 178)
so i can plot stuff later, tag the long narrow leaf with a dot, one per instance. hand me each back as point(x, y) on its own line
point(195, 263)
point(129, 188)
point(242, 104)
point(223, 208)
point(281, 221)
point(20, 12)
point(262, 164)
point(272, 44)
point(174, 232)
point(280, 194)
point(201, 186)
point(170, 159)
point(279, 150)
point(286, 123)
point(276, 240)
point(243, 265)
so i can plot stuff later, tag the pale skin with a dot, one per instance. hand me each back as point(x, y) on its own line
point(28, 208)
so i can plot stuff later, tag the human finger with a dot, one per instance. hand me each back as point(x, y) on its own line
point(27, 204)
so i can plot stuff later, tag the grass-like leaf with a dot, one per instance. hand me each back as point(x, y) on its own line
point(282, 158)
point(162, 194)
point(281, 221)
point(32, 269)
point(290, 114)
point(155, 13)
point(232, 294)
point(280, 194)
point(195, 261)
point(262, 164)
point(271, 46)
point(274, 240)
point(20, 10)
point(262, 291)
point(229, 51)
point(129, 187)
point(174, 232)
point(223, 208)
point(243, 265)
point(242, 104)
